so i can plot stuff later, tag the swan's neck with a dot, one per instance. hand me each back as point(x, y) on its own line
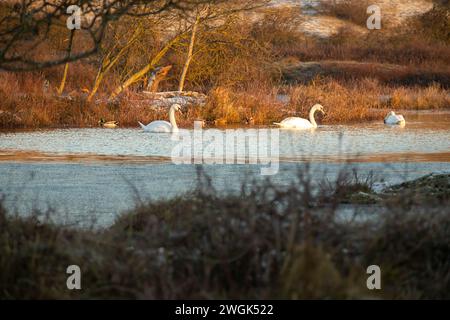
point(173, 121)
point(311, 117)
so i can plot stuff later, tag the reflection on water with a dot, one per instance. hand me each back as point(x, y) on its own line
point(88, 191)
point(424, 133)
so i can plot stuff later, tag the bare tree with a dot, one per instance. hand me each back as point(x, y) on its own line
point(190, 52)
point(148, 67)
point(109, 59)
point(189, 22)
point(66, 67)
point(26, 27)
point(214, 17)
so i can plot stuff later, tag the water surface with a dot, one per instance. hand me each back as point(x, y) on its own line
point(94, 175)
point(425, 133)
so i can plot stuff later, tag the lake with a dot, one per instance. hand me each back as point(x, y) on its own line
point(93, 175)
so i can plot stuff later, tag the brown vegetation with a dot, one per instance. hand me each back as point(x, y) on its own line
point(266, 243)
point(242, 64)
point(351, 10)
point(345, 102)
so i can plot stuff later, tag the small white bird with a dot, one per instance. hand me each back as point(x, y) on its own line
point(394, 119)
point(300, 123)
point(164, 126)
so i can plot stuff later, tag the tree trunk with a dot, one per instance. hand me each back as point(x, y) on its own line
point(66, 67)
point(190, 53)
point(107, 64)
point(141, 73)
point(63, 80)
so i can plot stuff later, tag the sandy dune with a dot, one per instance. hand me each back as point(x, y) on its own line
point(394, 12)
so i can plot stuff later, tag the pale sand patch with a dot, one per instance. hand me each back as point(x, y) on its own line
point(394, 13)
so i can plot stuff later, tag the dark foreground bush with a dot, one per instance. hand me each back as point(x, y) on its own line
point(266, 242)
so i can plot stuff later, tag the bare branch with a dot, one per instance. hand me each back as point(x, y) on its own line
point(28, 27)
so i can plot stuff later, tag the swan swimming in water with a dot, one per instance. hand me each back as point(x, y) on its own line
point(394, 119)
point(164, 126)
point(300, 123)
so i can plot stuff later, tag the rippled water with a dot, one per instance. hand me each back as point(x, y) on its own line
point(83, 194)
point(424, 133)
point(91, 191)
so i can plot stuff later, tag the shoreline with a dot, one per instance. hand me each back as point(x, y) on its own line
point(19, 156)
point(421, 112)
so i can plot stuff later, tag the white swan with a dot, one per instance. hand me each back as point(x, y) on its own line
point(164, 126)
point(394, 119)
point(300, 123)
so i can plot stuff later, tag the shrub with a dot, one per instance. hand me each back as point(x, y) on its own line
point(266, 242)
point(436, 22)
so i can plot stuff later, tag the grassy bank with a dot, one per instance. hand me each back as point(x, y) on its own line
point(243, 65)
point(344, 101)
point(267, 242)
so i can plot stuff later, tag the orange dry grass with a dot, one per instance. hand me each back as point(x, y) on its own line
point(364, 100)
point(432, 97)
point(342, 104)
point(228, 106)
point(24, 103)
